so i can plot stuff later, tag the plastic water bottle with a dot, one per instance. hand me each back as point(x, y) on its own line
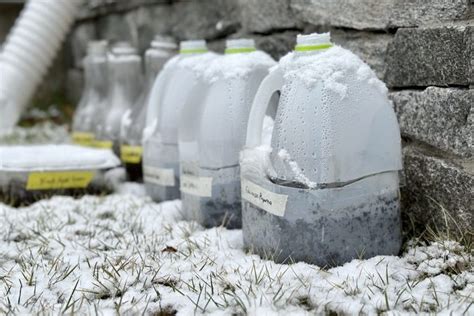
point(327, 189)
point(125, 79)
point(210, 181)
point(133, 121)
point(169, 93)
point(94, 96)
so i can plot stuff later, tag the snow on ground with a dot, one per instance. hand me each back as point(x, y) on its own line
point(43, 133)
point(125, 254)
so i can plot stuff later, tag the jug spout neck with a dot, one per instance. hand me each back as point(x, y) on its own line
point(314, 43)
point(193, 47)
point(243, 45)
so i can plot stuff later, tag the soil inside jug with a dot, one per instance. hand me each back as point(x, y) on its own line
point(324, 233)
point(223, 207)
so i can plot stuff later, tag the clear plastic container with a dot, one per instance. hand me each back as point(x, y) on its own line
point(210, 172)
point(327, 189)
point(134, 120)
point(170, 92)
point(125, 82)
point(31, 173)
point(94, 96)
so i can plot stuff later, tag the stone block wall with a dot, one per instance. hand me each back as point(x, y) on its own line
point(422, 50)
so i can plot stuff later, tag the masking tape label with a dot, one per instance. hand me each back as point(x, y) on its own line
point(199, 186)
point(131, 154)
point(84, 139)
point(160, 176)
point(59, 180)
point(269, 201)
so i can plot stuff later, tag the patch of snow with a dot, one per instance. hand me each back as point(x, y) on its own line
point(197, 63)
point(237, 65)
point(257, 160)
point(297, 172)
point(125, 254)
point(267, 130)
point(55, 157)
point(148, 130)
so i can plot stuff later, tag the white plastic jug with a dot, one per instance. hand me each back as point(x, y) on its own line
point(94, 96)
point(169, 93)
point(133, 121)
point(210, 181)
point(327, 190)
point(125, 79)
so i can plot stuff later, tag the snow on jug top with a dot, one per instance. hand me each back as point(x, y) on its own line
point(236, 46)
point(193, 47)
point(333, 63)
point(240, 59)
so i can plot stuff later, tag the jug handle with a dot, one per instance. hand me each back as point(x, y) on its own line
point(272, 83)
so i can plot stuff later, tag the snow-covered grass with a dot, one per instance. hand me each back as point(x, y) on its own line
point(123, 254)
point(43, 133)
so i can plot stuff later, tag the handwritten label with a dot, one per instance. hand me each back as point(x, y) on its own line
point(105, 144)
point(59, 180)
point(198, 186)
point(131, 154)
point(160, 176)
point(82, 138)
point(269, 201)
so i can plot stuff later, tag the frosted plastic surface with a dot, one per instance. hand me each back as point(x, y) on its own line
point(124, 87)
point(334, 122)
point(134, 123)
point(94, 97)
point(233, 81)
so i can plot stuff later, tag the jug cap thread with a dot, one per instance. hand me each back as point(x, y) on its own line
point(166, 42)
point(97, 47)
point(243, 45)
point(313, 42)
point(193, 47)
point(123, 48)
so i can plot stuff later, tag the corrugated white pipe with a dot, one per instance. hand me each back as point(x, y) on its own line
point(28, 51)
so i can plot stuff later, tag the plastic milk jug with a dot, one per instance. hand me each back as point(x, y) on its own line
point(133, 121)
point(327, 191)
point(125, 79)
point(169, 93)
point(94, 96)
point(210, 181)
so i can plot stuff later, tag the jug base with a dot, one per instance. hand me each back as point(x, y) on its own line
point(224, 207)
point(159, 193)
point(210, 212)
point(328, 234)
